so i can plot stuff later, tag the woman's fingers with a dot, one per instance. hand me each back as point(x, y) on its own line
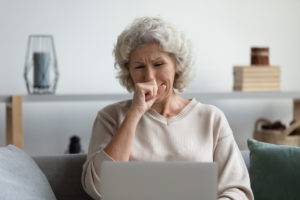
point(152, 87)
point(161, 89)
point(148, 89)
point(146, 94)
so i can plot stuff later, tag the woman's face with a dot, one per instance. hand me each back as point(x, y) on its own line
point(149, 63)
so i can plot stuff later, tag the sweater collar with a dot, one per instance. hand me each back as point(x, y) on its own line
point(168, 120)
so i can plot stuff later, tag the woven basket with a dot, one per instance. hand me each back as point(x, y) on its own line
point(285, 137)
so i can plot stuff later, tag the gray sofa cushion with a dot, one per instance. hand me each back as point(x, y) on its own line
point(21, 178)
point(64, 175)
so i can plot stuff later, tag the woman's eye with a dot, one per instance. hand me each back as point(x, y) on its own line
point(158, 64)
point(139, 67)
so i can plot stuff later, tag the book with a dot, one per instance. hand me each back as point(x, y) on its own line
point(256, 79)
point(257, 85)
point(240, 74)
point(256, 76)
point(256, 89)
point(259, 74)
point(252, 69)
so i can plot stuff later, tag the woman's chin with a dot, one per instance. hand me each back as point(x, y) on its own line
point(162, 98)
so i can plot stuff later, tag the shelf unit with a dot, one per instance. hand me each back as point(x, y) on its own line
point(14, 104)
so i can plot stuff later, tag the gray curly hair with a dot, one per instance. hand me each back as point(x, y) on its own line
point(146, 30)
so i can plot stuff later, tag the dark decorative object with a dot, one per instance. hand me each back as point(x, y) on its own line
point(74, 146)
point(277, 125)
point(41, 72)
point(260, 56)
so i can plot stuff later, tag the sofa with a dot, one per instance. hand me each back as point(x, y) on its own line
point(273, 169)
point(64, 174)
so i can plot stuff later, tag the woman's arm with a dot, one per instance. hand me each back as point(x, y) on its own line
point(145, 95)
point(110, 142)
point(120, 146)
point(107, 143)
point(233, 177)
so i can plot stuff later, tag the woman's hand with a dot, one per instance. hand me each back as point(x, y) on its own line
point(145, 95)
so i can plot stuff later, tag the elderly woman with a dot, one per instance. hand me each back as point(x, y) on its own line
point(154, 62)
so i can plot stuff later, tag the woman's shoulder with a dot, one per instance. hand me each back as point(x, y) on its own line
point(215, 116)
point(209, 109)
point(115, 110)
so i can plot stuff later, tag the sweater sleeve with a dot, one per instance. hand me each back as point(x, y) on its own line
point(233, 177)
point(102, 132)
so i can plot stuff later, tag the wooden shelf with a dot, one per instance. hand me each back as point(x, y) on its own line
point(119, 96)
point(14, 104)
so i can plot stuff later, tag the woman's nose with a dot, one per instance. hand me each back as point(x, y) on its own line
point(149, 74)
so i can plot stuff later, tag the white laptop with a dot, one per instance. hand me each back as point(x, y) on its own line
point(174, 180)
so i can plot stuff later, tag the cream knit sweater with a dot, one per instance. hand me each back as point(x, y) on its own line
point(199, 132)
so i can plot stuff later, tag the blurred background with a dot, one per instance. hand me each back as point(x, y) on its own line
point(85, 32)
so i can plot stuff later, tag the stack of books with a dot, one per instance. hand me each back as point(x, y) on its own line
point(256, 78)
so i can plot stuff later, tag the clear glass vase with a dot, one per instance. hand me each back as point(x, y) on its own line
point(41, 71)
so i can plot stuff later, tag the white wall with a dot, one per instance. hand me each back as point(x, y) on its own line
point(85, 32)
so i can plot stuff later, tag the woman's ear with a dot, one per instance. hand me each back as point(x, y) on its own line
point(175, 78)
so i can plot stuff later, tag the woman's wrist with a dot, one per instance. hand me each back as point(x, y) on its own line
point(134, 113)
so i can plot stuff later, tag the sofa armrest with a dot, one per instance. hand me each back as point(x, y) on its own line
point(64, 175)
